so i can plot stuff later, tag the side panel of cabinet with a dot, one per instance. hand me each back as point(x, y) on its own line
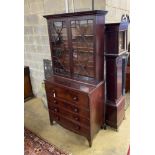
point(97, 108)
point(99, 45)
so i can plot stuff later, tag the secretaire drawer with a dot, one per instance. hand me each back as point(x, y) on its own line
point(76, 97)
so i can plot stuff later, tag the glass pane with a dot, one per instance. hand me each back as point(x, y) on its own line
point(122, 41)
point(83, 48)
point(60, 51)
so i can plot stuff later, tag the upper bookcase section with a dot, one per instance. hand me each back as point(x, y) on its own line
point(77, 44)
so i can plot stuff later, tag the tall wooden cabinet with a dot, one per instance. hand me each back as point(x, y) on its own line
point(116, 55)
point(75, 92)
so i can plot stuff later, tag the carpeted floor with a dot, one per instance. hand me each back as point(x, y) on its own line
point(34, 145)
point(106, 142)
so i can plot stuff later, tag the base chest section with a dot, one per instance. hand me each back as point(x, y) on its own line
point(78, 110)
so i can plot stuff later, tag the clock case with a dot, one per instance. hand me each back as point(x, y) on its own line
point(116, 54)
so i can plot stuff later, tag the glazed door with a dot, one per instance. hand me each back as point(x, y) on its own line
point(82, 42)
point(60, 47)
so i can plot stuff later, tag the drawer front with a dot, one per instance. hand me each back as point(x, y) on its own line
point(57, 105)
point(67, 94)
point(70, 125)
point(73, 116)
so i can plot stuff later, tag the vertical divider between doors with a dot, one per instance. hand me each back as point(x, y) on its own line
point(70, 46)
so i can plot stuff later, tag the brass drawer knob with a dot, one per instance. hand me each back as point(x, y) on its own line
point(75, 98)
point(53, 91)
point(55, 110)
point(55, 102)
point(75, 110)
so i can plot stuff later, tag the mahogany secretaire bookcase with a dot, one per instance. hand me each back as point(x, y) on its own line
point(75, 92)
point(116, 53)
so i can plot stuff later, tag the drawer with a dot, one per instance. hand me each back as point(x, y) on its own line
point(75, 97)
point(69, 124)
point(57, 106)
point(75, 117)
